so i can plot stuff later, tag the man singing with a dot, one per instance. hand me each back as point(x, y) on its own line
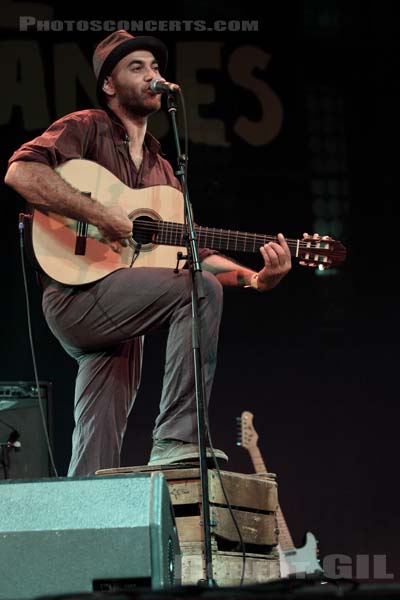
point(102, 324)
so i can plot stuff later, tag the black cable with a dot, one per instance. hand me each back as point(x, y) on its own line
point(186, 132)
point(7, 425)
point(13, 437)
point(208, 435)
point(21, 228)
point(206, 422)
point(241, 541)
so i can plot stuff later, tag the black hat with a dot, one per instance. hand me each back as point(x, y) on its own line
point(117, 45)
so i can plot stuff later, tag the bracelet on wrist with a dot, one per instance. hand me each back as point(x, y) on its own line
point(253, 282)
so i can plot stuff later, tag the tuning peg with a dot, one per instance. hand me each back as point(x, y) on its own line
point(307, 264)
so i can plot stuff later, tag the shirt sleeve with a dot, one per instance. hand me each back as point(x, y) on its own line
point(204, 252)
point(65, 139)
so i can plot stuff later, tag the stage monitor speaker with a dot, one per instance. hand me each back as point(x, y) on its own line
point(74, 535)
point(20, 416)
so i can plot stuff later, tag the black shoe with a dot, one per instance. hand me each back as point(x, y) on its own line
point(165, 452)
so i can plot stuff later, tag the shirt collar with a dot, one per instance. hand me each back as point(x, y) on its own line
point(121, 134)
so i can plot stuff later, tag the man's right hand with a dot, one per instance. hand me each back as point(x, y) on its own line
point(42, 186)
point(115, 227)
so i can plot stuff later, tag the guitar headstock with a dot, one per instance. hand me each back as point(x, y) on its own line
point(319, 251)
point(247, 437)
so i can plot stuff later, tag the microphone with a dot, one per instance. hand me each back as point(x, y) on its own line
point(160, 86)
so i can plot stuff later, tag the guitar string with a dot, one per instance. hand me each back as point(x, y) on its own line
point(178, 229)
point(231, 235)
point(323, 252)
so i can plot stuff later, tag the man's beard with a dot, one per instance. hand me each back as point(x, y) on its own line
point(133, 104)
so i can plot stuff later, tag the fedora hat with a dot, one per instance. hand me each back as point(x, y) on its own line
point(117, 45)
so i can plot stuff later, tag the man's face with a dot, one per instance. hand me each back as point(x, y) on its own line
point(130, 81)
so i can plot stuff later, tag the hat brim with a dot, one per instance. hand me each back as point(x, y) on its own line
point(141, 42)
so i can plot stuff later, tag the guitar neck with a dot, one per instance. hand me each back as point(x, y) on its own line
point(173, 234)
point(236, 241)
point(257, 460)
point(285, 538)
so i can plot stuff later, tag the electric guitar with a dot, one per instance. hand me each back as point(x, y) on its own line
point(73, 252)
point(293, 561)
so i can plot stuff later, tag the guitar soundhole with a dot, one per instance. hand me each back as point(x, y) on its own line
point(145, 230)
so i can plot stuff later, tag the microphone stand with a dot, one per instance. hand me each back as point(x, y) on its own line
point(197, 296)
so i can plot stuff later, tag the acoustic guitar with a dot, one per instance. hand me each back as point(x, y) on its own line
point(73, 252)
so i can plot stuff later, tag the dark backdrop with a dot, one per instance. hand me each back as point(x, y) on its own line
point(316, 360)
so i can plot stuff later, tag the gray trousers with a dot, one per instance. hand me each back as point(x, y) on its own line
point(102, 326)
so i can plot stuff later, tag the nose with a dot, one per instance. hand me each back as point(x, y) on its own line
point(151, 73)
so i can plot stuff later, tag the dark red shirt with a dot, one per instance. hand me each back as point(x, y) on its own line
point(96, 135)
point(99, 136)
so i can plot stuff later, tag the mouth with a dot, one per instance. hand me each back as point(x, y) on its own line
point(149, 91)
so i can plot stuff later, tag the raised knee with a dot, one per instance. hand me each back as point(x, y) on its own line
point(212, 288)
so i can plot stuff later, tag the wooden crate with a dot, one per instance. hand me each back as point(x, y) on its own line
point(254, 501)
point(227, 566)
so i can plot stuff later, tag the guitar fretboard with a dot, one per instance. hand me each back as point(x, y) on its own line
point(174, 234)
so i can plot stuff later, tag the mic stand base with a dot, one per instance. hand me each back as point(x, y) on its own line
point(207, 583)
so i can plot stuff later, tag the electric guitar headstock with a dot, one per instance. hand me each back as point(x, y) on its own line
point(319, 251)
point(247, 437)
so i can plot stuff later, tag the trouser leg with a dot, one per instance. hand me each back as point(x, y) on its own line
point(105, 391)
point(178, 417)
point(92, 323)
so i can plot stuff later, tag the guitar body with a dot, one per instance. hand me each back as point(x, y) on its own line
point(54, 237)
point(300, 561)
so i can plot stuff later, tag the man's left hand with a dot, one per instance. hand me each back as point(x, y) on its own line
point(277, 263)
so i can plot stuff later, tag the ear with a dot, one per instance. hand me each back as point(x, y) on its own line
point(108, 87)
